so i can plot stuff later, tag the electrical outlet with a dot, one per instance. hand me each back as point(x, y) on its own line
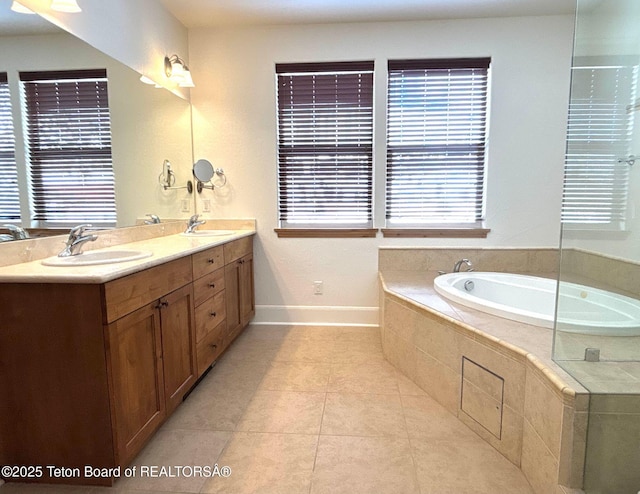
point(185, 206)
point(206, 205)
point(317, 287)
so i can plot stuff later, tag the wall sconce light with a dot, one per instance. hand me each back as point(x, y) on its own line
point(69, 6)
point(177, 71)
point(20, 9)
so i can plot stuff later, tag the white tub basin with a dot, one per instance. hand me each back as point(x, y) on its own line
point(98, 257)
point(208, 233)
point(532, 300)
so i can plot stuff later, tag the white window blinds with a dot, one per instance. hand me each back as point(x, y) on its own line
point(9, 198)
point(69, 147)
point(436, 133)
point(325, 144)
point(599, 133)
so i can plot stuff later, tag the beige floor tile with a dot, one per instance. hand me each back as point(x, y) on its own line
point(357, 352)
point(367, 465)
point(239, 374)
point(266, 464)
point(171, 449)
point(219, 408)
point(283, 411)
point(428, 420)
point(305, 350)
point(363, 415)
point(250, 349)
point(379, 378)
point(296, 376)
point(407, 387)
point(465, 465)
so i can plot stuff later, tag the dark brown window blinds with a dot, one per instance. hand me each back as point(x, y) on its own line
point(69, 147)
point(436, 133)
point(9, 196)
point(325, 144)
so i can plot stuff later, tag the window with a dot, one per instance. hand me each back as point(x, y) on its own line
point(599, 134)
point(436, 133)
point(69, 148)
point(9, 197)
point(325, 144)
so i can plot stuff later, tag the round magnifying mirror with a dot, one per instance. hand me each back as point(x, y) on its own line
point(203, 170)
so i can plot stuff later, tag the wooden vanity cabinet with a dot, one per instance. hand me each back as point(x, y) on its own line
point(88, 372)
point(209, 291)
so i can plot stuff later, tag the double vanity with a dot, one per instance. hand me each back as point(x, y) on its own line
point(95, 357)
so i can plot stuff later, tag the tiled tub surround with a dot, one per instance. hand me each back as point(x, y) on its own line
point(495, 375)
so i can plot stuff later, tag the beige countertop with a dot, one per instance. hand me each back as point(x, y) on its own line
point(164, 249)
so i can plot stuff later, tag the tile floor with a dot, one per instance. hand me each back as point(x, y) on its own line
point(313, 410)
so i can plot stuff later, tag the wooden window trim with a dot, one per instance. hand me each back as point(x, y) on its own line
point(435, 232)
point(326, 232)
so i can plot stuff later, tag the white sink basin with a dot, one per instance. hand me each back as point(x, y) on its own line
point(98, 257)
point(208, 233)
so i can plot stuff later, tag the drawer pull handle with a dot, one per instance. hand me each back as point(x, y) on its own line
point(212, 314)
point(212, 285)
point(162, 305)
point(211, 261)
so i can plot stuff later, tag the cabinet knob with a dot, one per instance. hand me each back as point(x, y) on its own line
point(211, 261)
point(214, 346)
point(212, 285)
point(212, 314)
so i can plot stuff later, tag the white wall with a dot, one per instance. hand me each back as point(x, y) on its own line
point(138, 33)
point(235, 127)
point(148, 125)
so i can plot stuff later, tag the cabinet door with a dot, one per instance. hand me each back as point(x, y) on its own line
point(247, 292)
point(178, 345)
point(239, 294)
point(232, 296)
point(134, 360)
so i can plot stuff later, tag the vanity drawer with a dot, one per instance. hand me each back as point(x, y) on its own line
point(208, 286)
point(207, 261)
point(210, 349)
point(237, 249)
point(209, 315)
point(127, 294)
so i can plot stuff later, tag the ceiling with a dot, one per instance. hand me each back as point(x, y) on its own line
point(204, 13)
point(208, 13)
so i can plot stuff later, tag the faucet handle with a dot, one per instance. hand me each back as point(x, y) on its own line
point(79, 230)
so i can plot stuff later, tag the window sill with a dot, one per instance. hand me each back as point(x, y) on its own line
point(326, 232)
point(436, 232)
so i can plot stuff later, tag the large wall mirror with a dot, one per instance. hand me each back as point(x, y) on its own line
point(148, 125)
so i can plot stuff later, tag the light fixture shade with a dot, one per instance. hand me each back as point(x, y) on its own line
point(69, 6)
point(146, 80)
point(187, 81)
point(21, 9)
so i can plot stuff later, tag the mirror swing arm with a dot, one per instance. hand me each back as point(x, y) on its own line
point(203, 172)
point(167, 179)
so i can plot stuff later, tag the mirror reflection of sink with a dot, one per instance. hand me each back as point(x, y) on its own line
point(208, 233)
point(98, 257)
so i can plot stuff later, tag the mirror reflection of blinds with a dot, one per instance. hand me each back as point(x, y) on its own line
point(9, 198)
point(325, 144)
point(436, 136)
point(600, 128)
point(69, 147)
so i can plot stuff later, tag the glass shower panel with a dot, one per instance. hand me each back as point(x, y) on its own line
point(597, 334)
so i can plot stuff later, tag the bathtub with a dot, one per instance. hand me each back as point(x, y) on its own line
point(530, 299)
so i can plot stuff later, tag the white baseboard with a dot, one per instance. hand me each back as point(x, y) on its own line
point(316, 316)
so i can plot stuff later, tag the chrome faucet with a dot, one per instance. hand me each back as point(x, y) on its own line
point(153, 219)
point(194, 223)
point(16, 232)
point(457, 265)
point(76, 240)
